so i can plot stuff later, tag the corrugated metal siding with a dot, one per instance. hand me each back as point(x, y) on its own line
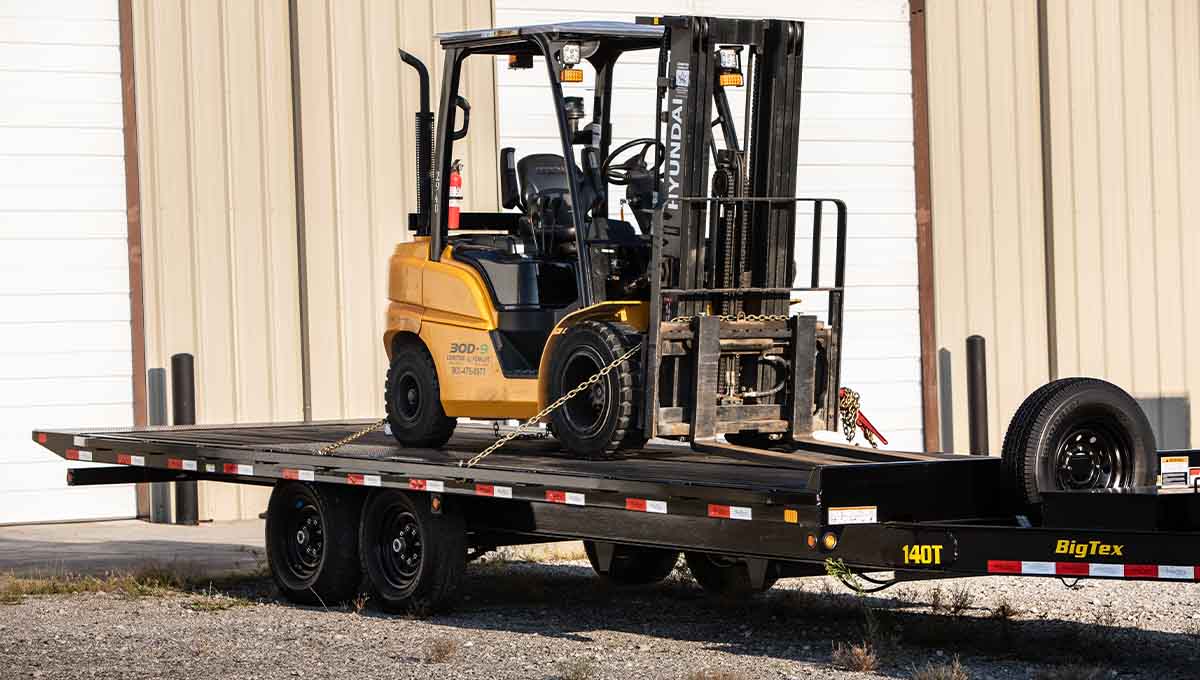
point(358, 102)
point(985, 167)
point(1125, 84)
point(855, 144)
point(218, 216)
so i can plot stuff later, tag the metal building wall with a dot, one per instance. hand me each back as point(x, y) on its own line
point(221, 251)
point(358, 102)
point(1124, 79)
point(985, 174)
point(218, 216)
point(1123, 91)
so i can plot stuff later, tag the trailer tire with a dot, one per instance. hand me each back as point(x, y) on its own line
point(1078, 434)
point(726, 577)
point(413, 397)
point(312, 542)
point(601, 422)
point(413, 559)
point(634, 565)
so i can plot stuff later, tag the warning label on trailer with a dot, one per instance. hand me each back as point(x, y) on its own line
point(863, 514)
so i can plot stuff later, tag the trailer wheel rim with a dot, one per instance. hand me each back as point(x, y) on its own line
point(401, 549)
point(1092, 455)
point(586, 412)
point(305, 541)
point(408, 396)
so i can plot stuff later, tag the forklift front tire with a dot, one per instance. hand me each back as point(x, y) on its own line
point(1077, 434)
point(600, 421)
point(413, 397)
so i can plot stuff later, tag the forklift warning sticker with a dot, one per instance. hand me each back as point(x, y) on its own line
point(1174, 464)
point(469, 359)
point(863, 514)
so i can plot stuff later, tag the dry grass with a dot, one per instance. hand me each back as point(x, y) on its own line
point(956, 602)
point(942, 670)
point(577, 669)
point(147, 581)
point(855, 657)
point(360, 603)
point(571, 551)
point(1004, 611)
point(1073, 673)
point(440, 650)
point(707, 674)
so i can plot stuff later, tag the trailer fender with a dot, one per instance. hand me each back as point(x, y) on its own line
point(633, 313)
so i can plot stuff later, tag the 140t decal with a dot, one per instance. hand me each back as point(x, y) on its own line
point(924, 555)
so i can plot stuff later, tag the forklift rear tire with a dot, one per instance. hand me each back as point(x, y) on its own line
point(726, 576)
point(601, 421)
point(312, 542)
point(634, 565)
point(413, 397)
point(414, 559)
point(1077, 434)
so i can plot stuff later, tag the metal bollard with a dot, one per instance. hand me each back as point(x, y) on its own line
point(183, 407)
point(160, 492)
point(977, 402)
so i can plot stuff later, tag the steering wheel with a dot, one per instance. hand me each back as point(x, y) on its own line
point(618, 174)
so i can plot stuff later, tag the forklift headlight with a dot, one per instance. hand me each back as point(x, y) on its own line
point(729, 58)
point(729, 61)
point(570, 54)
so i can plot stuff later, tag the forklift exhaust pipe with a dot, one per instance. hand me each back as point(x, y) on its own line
point(424, 138)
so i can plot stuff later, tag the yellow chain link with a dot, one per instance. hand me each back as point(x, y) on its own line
point(849, 405)
point(326, 450)
point(740, 316)
point(550, 409)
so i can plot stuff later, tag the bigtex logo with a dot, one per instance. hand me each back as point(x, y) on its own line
point(1081, 550)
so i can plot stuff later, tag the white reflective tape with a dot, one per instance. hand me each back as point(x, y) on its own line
point(736, 512)
point(502, 491)
point(573, 498)
point(1176, 573)
point(432, 485)
point(1107, 570)
point(657, 506)
point(209, 467)
point(84, 455)
point(372, 480)
point(245, 469)
point(866, 514)
point(1040, 568)
point(79, 441)
point(189, 465)
point(306, 475)
point(137, 460)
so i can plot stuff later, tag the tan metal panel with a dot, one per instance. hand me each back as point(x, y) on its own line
point(359, 174)
point(985, 178)
point(1125, 103)
point(218, 211)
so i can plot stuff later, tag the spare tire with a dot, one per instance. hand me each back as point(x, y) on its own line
point(1077, 434)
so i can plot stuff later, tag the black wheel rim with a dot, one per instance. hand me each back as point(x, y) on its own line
point(585, 413)
point(1092, 455)
point(304, 540)
point(407, 396)
point(400, 548)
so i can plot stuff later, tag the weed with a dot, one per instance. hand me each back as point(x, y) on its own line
point(215, 603)
point(1073, 673)
point(1004, 611)
point(937, 599)
point(577, 669)
point(440, 650)
point(960, 601)
point(360, 603)
point(11, 598)
point(942, 670)
point(860, 657)
point(148, 581)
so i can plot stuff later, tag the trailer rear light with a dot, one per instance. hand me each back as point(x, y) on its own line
point(829, 540)
point(812, 542)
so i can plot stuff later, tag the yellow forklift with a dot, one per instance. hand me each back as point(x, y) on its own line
point(673, 324)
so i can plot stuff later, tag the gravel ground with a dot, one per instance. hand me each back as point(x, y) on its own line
point(556, 620)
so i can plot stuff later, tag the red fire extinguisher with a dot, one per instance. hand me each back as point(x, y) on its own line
point(456, 194)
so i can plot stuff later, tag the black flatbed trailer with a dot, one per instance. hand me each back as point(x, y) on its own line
point(781, 512)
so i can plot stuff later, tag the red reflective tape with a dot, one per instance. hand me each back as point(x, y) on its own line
point(556, 496)
point(1141, 571)
point(291, 474)
point(355, 479)
point(71, 454)
point(125, 459)
point(1071, 569)
point(174, 463)
point(1004, 567)
point(230, 468)
point(718, 511)
point(41, 437)
point(415, 484)
point(485, 490)
point(638, 504)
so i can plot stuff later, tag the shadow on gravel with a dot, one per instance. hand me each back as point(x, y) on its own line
point(569, 602)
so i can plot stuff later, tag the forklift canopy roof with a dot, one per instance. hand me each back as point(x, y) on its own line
point(635, 36)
